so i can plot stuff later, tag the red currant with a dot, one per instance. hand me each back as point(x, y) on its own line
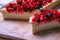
point(44, 3)
point(49, 1)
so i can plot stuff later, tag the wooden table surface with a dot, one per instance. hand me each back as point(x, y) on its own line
point(22, 29)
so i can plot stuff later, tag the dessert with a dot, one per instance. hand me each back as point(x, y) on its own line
point(45, 20)
point(23, 9)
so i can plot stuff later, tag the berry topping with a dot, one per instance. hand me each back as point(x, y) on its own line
point(26, 8)
point(37, 7)
point(15, 8)
point(35, 0)
point(49, 1)
point(20, 3)
point(31, 3)
point(49, 15)
point(38, 20)
point(26, 5)
point(11, 7)
point(59, 16)
point(44, 3)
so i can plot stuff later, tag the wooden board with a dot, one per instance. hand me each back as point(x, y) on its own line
point(22, 29)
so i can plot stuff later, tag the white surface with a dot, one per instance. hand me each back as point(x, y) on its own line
point(4, 2)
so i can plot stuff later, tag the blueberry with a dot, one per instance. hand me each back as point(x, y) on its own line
point(10, 7)
point(38, 6)
point(40, 3)
point(58, 16)
point(20, 3)
point(49, 15)
point(15, 8)
point(38, 20)
point(27, 8)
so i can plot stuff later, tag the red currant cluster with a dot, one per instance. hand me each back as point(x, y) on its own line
point(46, 15)
point(26, 5)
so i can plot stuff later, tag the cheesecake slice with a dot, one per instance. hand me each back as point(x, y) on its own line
point(23, 12)
point(47, 19)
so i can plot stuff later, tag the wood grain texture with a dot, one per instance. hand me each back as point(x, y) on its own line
point(13, 28)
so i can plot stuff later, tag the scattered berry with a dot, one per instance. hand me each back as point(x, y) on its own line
point(49, 15)
point(20, 3)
